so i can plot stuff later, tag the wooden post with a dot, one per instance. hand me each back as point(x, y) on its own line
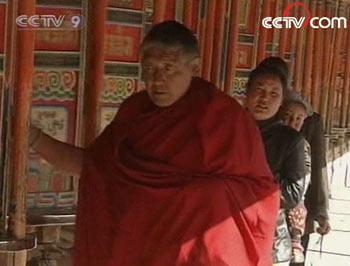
point(159, 10)
point(94, 69)
point(19, 79)
point(170, 11)
point(308, 56)
point(293, 33)
point(209, 40)
point(317, 64)
point(327, 55)
point(335, 69)
point(6, 98)
point(283, 35)
point(202, 16)
point(218, 42)
point(345, 97)
point(188, 14)
point(23, 81)
point(298, 67)
point(232, 46)
point(262, 38)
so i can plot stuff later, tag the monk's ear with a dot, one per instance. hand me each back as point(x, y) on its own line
point(195, 66)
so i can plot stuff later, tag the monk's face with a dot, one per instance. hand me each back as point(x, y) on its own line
point(293, 115)
point(167, 73)
point(265, 97)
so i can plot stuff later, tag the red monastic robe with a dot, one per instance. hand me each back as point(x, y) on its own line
point(182, 185)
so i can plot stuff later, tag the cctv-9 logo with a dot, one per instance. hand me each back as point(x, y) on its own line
point(76, 21)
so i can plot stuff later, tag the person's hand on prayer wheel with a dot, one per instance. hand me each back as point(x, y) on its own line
point(324, 226)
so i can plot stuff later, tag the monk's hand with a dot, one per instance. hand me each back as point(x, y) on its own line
point(324, 226)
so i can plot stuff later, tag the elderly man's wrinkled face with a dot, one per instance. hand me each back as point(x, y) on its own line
point(265, 97)
point(293, 115)
point(167, 73)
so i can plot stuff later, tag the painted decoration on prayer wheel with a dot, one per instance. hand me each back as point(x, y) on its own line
point(245, 55)
point(272, 37)
point(59, 39)
point(54, 93)
point(116, 90)
point(60, 3)
point(2, 26)
point(129, 4)
point(54, 111)
point(126, 22)
point(245, 49)
point(248, 10)
point(107, 116)
point(51, 200)
point(239, 88)
point(53, 59)
point(122, 43)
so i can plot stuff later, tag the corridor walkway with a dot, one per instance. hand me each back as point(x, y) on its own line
point(335, 247)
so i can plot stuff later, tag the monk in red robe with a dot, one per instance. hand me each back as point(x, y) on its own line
point(178, 178)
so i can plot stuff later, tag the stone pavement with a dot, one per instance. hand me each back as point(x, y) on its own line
point(336, 245)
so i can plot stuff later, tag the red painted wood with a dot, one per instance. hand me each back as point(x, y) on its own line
point(188, 14)
point(23, 55)
point(209, 39)
point(94, 70)
point(283, 36)
point(232, 46)
point(317, 64)
point(262, 39)
point(160, 7)
point(218, 42)
point(327, 59)
point(308, 59)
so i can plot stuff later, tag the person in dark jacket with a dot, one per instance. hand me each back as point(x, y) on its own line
point(293, 112)
point(284, 149)
point(317, 195)
point(316, 198)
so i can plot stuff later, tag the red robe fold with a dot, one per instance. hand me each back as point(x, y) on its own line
point(182, 185)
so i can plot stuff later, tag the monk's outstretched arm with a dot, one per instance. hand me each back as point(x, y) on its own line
point(64, 156)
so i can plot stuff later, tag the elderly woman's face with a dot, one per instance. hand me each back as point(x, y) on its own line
point(167, 73)
point(265, 97)
point(293, 115)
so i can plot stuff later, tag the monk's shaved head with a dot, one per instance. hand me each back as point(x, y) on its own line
point(172, 34)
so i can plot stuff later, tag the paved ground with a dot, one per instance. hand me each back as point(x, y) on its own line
point(336, 245)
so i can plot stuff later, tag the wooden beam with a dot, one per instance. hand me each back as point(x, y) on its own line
point(218, 42)
point(308, 56)
point(170, 11)
point(188, 14)
point(293, 34)
point(160, 7)
point(22, 100)
point(317, 64)
point(283, 35)
point(232, 46)
point(298, 66)
point(202, 16)
point(209, 39)
point(345, 113)
point(6, 98)
point(335, 68)
point(327, 59)
point(19, 69)
point(262, 38)
point(94, 69)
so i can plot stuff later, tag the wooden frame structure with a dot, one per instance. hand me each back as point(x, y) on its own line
point(95, 69)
